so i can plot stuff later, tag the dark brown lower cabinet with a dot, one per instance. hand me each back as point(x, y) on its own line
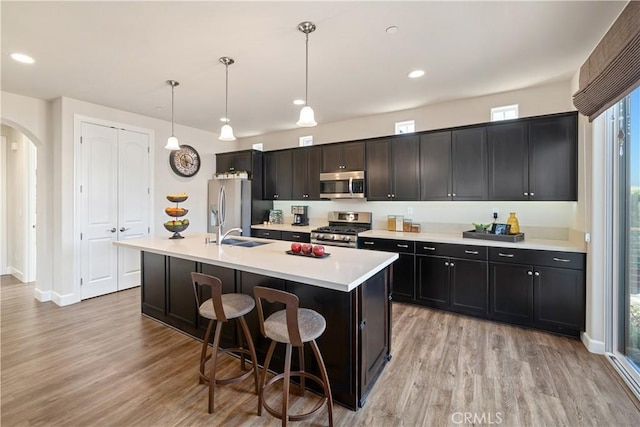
point(404, 278)
point(355, 345)
point(452, 277)
point(541, 289)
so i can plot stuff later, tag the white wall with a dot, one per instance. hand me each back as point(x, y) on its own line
point(547, 99)
point(164, 181)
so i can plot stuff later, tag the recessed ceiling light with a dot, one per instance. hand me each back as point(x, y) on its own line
point(298, 102)
point(392, 29)
point(21, 57)
point(224, 120)
point(416, 73)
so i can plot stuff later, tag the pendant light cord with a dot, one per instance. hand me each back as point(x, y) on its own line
point(172, 130)
point(226, 96)
point(306, 74)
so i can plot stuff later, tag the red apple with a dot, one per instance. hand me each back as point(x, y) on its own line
point(296, 247)
point(318, 250)
point(307, 248)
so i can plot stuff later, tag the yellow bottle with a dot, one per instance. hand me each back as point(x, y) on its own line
point(513, 222)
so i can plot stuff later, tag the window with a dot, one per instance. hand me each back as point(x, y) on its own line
point(623, 138)
point(506, 112)
point(259, 146)
point(305, 141)
point(405, 127)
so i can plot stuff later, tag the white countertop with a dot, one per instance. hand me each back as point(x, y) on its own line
point(344, 270)
point(456, 238)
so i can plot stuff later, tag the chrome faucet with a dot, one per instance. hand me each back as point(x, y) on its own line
point(220, 236)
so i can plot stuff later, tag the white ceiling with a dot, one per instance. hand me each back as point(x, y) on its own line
point(119, 54)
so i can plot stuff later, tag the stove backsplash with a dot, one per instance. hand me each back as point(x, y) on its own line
point(543, 220)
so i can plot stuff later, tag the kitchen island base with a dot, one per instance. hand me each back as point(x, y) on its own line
point(355, 345)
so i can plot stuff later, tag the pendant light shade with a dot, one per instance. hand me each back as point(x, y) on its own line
point(226, 131)
point(307, 118)
point(172, 141)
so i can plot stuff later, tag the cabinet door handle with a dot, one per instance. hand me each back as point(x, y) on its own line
point(530, 273)
point(446, 263)
point(448, 194)
point(388, 196)
point(537, 274)
point(532, 194)
point(393, 196)
point(471, 252)
point(454, 194)
point(295, 236)
point(113, 230)
point(452, 264)
point(428, 248)
point(368, 243)
point(402, 246)
point(561, 260)
point(526, 194)
point(266, 233)
point(123, 229)
point(505, 255)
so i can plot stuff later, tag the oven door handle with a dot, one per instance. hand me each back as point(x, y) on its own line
point(351, 186)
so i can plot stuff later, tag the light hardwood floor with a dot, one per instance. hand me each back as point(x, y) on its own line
point(100, 362)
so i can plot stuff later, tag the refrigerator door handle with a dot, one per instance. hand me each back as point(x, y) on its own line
point(222, 205)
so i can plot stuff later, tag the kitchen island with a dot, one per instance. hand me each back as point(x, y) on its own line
point(350, 288)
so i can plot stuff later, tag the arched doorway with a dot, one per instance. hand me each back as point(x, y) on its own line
point(18, 189)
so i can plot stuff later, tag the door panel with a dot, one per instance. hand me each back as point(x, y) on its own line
point(433, 281)
point(133, 202)
point(508, 161)
point(98, 210)
point(469, 164)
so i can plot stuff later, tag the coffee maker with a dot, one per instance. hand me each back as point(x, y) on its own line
point(300, 215)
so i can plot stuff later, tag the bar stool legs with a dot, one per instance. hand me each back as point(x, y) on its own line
point(292, 327)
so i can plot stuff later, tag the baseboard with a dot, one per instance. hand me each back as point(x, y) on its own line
point(16, 273)
point(42, 296)
point(592, 345)
point(63, 300)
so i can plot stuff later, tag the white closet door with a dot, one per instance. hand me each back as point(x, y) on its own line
point(98, 210)
point(133, 202)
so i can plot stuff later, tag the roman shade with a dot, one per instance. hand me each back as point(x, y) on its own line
point(613, 68)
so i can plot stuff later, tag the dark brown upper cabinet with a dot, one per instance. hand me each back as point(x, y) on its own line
point(393, 168)
point(278, 176)
point(553, 157)
point(306, 173)
point(453, 164)
point(508, 160)
point(534, 159)
point(235, 161)
point(342, 157)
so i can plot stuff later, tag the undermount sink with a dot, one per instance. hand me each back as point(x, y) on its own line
point(243, 243)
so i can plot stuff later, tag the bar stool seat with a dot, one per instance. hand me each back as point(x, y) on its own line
point(310, 323)
point(219, 309)
point(293, 327)
point(234, 306)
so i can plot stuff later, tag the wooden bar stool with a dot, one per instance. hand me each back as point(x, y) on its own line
point(220, 309)
point(292, 326)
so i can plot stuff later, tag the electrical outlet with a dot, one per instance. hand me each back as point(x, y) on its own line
point(495, 212)
point(409, 211)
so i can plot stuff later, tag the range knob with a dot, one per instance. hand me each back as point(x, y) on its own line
point(345, 238)
point(319, 236)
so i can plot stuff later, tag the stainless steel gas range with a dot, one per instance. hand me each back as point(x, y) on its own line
point(343, 229)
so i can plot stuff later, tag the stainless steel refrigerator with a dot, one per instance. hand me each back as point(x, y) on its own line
point(241, 209)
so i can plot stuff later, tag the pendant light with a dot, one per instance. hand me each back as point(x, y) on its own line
point(226, 132)
point(306, 114)
point(172, 142)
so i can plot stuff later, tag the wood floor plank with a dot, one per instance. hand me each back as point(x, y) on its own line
point(101, 363)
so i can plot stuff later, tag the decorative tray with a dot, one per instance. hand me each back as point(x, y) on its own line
point(472, 234)
point(311, 255)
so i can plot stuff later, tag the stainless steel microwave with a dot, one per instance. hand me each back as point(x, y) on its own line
point(342, 185)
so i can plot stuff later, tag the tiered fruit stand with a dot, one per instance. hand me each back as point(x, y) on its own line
point(176, 225)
